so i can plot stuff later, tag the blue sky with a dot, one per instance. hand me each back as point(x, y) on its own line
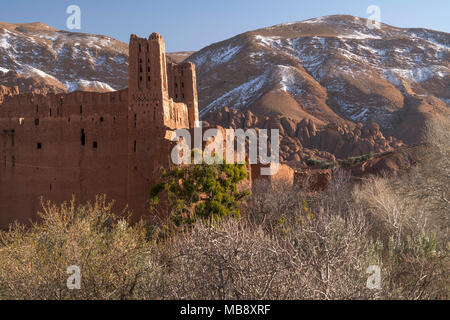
point(193, 24)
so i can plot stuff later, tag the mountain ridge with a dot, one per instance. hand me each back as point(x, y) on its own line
point(334, 68)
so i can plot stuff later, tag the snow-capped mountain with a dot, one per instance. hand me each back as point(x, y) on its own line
point(329, 69)
point(35, 56)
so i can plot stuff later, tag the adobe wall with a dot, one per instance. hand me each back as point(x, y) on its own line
point(58, 145)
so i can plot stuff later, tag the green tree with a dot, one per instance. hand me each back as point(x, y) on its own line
point(202, 191)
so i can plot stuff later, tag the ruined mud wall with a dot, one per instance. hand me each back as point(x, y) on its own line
point(58, 145)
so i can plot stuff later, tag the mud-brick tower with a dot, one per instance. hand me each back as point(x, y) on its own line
point(183, 88)
point(153, 113)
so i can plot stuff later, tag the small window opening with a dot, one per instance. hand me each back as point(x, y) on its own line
point(134, 147)
point(135, 120)
point(101, 119)
point(13, 161)
point(95, 145)
point(39, 145)
point(81, 109)
point(83, 137)
point(36, 122)
point(182, 84)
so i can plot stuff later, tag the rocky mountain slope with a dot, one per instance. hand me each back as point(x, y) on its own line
point(330, 70)
point(34, 56)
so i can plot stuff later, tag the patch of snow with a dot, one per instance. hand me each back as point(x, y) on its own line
point(360, 116)
point(274, 42)
point(98, 43)
point(71, 86)
point(223, 56)
point(314, 20)
point(288, 81)
point(53, 37)
point(362, 112)
point(4, 70)
point(394, 76)
point(4, 40)
point(120, 60)
point(268, 41)
point(256, 55)
point(27, 70)
point(77, 85)
point(216, 56)
point(358, 35)
point(431, 40)
point(283, 24)
point(240, 96)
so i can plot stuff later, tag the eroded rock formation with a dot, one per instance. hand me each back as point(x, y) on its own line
point(302, 140)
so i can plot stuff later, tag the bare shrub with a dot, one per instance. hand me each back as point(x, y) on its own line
point(430, 181)
point(113, 256)
point(320, 259)
point(229, 261)
point(271, 201)
point(418, 201)
point(410, 215)
point(392, 213)
point(334, 252)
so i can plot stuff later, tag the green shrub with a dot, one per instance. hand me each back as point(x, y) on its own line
point(209, 192)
